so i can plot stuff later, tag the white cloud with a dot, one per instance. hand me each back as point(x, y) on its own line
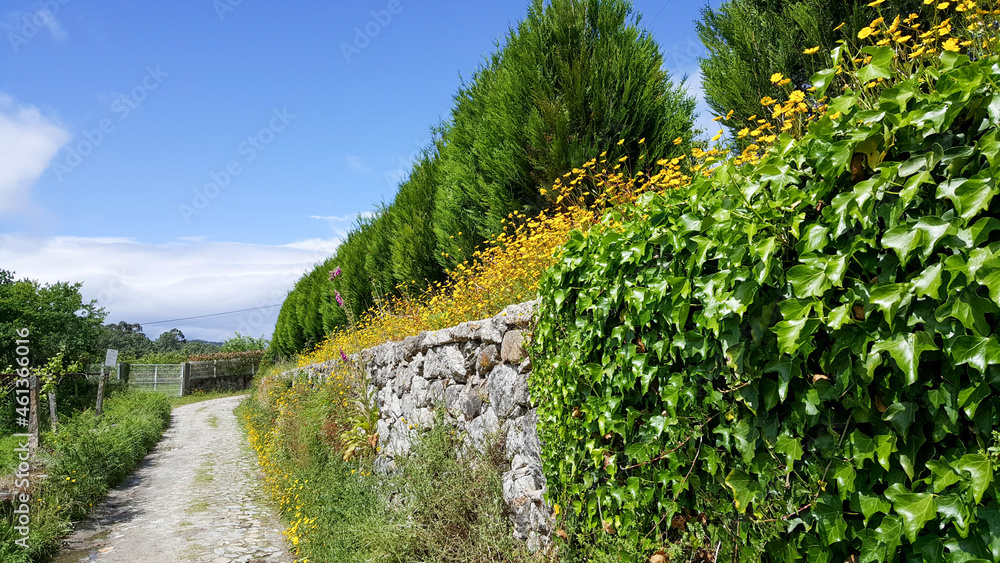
point(28, 142)
point(138, 282)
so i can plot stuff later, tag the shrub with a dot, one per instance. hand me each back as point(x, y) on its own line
point(797, 359)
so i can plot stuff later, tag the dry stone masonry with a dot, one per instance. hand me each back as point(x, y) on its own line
point(478, 372)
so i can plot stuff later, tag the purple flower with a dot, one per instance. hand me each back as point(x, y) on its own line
point(340, 300)
point(335, 273)
point(343, 356)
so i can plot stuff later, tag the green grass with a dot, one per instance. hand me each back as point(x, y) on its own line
point(83, 461)
point(435, 508)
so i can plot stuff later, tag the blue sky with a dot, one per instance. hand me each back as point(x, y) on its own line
point(197, 156)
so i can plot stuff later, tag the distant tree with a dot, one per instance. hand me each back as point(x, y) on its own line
point(127, 338)
point(750, 40)
point(198, 347)
point(170, 341)
point(244, 343)
point(57, 317)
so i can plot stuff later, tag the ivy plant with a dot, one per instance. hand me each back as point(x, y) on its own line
point(797, 360)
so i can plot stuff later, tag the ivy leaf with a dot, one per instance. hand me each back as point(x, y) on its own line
point(953, 509)
point(980, 470)
point(901, 416)
point(968, 195)
point(862, 448)
point(905, 350)
point(880, 65)
point(928, 282)
point(889, 532)
point(816, 275)
point(845, 474)
point(904, 239)
point(889, 297)
point(822, 80)
point(885, 445)
point(932, 230)
point(917, 509)
point(796, 335)
point(791, 447)
point(978, 352)
point(873, 504)
point(744, 490)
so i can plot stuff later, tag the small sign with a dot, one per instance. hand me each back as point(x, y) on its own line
point(111, 360)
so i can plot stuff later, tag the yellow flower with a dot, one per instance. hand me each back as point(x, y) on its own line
point(951, 45)
point(875, 3)
point(743, 132)
point(943, 5)
point(776, 77)
point(717, 136)
point(678, 140)
point(865, 32)
point(729, 115)
point(842, 24)
point(814, 50)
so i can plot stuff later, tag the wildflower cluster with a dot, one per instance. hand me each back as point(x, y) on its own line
point(507, 269)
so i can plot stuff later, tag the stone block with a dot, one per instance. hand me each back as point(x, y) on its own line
point(513, 351)
point(435, 339)
point(486, 357)
point(519, 315)
point(446, 362)
point(506, 389)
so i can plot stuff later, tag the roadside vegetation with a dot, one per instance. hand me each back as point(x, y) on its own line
point(436, 506)
point(779, 347)
point(81, 462)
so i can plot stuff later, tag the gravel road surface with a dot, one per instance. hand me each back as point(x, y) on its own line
point(194, 498)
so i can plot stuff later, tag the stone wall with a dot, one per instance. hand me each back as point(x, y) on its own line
point(478, 372)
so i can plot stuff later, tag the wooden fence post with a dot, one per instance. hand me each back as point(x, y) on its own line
point(33, 412)
point(185, 378)
point(53, 414)
point(100, 393)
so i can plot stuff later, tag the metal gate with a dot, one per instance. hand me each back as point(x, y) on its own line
point(165, 378)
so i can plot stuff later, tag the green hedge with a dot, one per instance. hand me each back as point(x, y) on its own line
point(795, 360)
point(83, 461)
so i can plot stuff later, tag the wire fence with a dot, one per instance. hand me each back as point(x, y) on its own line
point(165, 378)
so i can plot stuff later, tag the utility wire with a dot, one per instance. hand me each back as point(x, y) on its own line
point(211, 315)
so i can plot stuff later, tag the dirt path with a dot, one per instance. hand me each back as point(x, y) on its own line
point(194, 498)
